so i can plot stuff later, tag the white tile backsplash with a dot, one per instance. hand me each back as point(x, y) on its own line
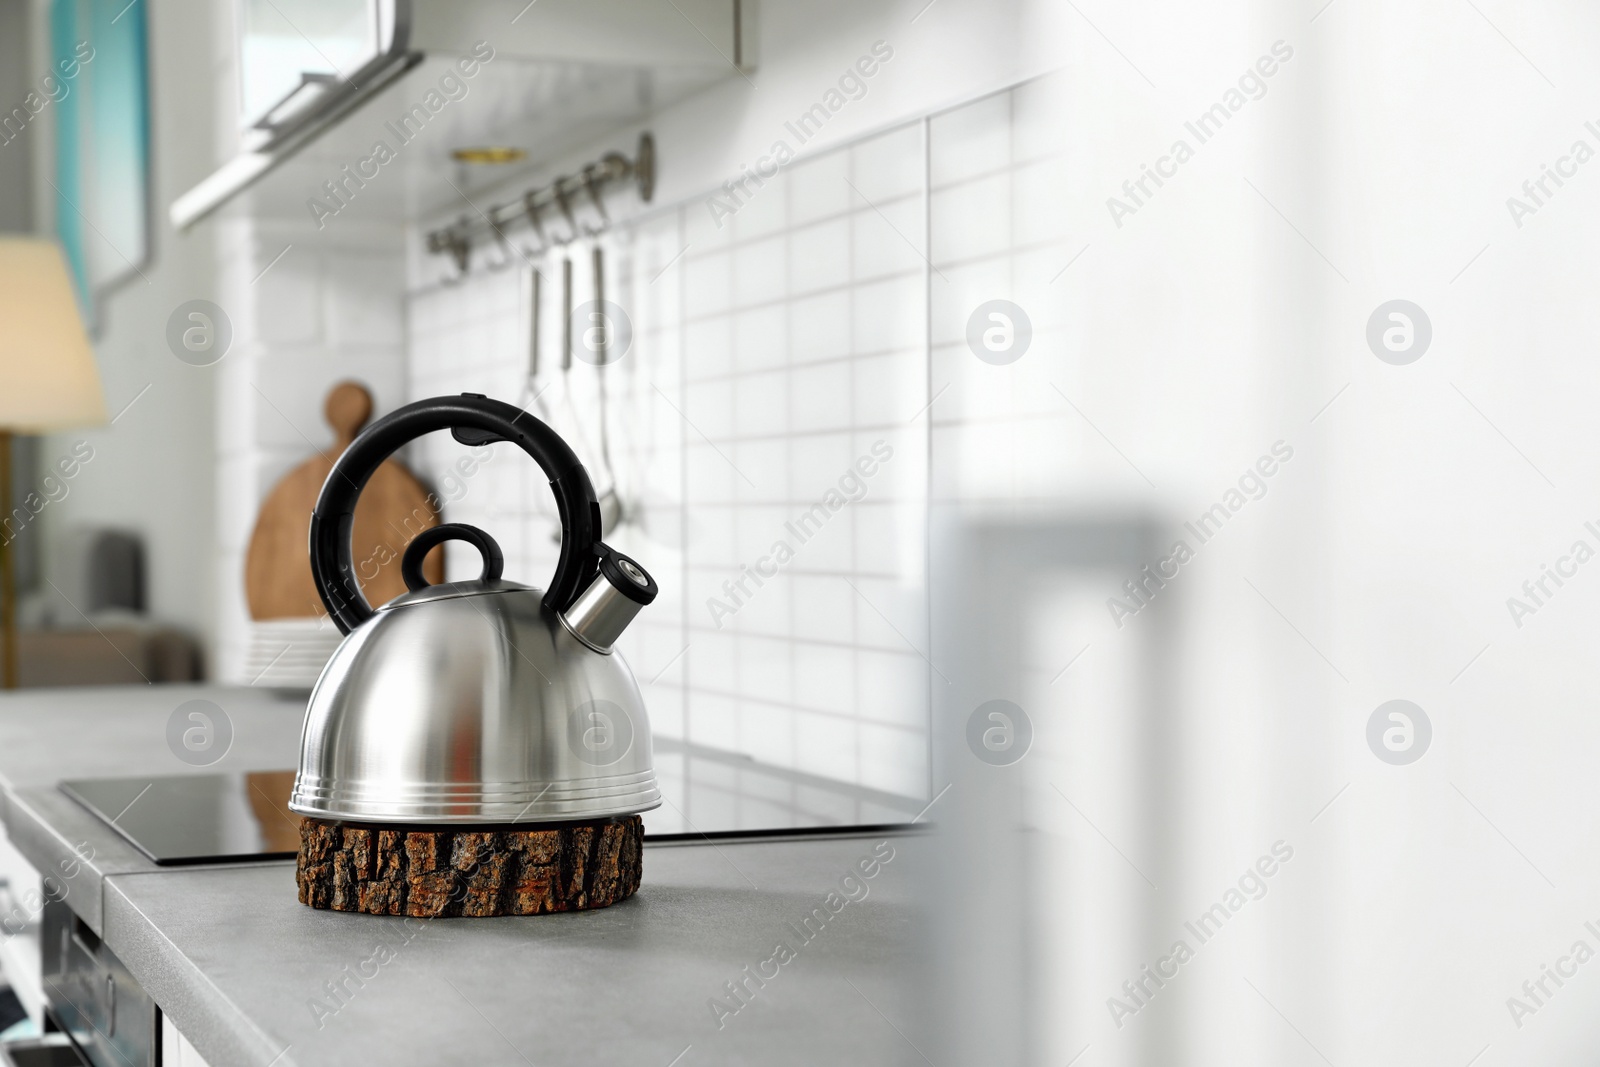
point(819, 188)
point(760, 273)
point(881, 537)
point(774, 741)
point(891, 165)
point(826, 745)
point(819, 397)
point(765, 213)
point(823, 608)
point(761, 337)
point(766, 463)
point(889, 688)
point(965, 142)
point(714, 718)
point(977, 214)
point(708, 288)
point(820, 327)
point(709, 473)
point(761, 409)
point(888, 239)
point(318, 314)
point(708, 408)
point(770, 356)
point(818, 460)
point(361, 304)
point(889, 314)
point(287, 307)
point(819, 256)
point(883, 386)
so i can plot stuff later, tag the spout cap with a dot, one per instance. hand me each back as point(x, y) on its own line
point(604, 610)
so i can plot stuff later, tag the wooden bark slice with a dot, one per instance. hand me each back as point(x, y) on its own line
point(445, 872)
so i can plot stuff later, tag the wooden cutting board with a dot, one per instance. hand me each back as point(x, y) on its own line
point(394, 507)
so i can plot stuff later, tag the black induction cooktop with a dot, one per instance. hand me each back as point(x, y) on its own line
point(197, 818)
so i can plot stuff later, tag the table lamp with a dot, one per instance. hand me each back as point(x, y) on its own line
point(48, 381)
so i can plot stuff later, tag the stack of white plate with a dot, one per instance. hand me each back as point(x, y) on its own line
point(289, 653)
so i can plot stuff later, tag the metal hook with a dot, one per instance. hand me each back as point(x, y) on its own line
point(560, 190)
point(459, 248)
point(530, 207)
point(461, 252)
point(499, 240)
point(590, 187)
point(643, 167)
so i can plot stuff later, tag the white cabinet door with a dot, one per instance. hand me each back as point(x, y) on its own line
point(175, 1048)
point(21, 907)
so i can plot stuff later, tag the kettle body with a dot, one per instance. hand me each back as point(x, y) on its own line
point(482, 702)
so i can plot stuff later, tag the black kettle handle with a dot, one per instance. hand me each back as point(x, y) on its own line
point(473, 419)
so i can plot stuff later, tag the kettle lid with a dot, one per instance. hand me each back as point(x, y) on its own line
point(456, 590)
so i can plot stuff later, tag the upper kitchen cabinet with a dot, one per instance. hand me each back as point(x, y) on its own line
point(334, 90)
point(296, 57)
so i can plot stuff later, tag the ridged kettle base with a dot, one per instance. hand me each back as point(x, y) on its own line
point(459, 804)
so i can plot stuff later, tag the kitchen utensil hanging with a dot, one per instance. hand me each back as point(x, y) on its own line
point(566, 314)
point(531, 392)
point(563, 408)
point(613, 511)
point(458, 239)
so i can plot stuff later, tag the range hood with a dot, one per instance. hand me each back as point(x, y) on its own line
point(425, 77)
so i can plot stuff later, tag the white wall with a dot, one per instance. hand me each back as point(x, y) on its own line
point(1227, 313)
point(152, 471)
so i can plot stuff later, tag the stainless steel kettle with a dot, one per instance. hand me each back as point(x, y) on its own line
point(483, 701)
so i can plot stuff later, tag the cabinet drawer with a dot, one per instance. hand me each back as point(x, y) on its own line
point(93, 996)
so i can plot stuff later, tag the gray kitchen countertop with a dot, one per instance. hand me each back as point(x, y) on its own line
point(252, 977)
point(50, 734)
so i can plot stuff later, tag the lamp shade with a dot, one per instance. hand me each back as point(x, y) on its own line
point(48, 377)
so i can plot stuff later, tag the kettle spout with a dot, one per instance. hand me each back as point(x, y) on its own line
point(604, 610)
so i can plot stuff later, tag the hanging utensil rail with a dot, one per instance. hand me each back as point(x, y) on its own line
point(533, 207)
